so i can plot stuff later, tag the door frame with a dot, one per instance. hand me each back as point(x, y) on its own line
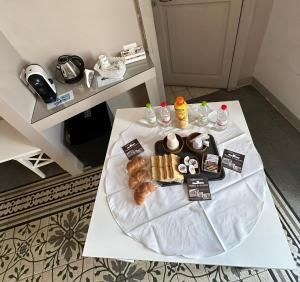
point(148, 31)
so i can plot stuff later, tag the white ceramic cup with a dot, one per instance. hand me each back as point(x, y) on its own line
point(197, 143)
point(172, 141)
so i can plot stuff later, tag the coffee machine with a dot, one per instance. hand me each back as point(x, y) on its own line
point(39, 81)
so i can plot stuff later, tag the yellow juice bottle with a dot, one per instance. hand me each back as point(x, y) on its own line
point(181, 112)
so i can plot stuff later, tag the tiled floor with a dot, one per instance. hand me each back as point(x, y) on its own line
point(187, 92)
point(49, 248)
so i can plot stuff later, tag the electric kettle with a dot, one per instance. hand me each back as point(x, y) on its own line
point(71, 68)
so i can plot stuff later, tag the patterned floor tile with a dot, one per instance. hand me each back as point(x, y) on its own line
point(9, 263)
point(33, 260)
point(66, 236)
point(7, 242)
point(223, 273)
point(265, 277)
point(83, 270)
point(35, 278)
point(178, 272)
point(159, 271)
point(58, 274)
point(29, 230)
point(192, 272)
point(110, 270)
point(253, 278)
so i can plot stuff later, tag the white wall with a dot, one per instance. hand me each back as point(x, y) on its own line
point(42, 30)
point(257, 30)
point(278, 63)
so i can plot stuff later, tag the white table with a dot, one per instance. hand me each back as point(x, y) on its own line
point(265, 247)
point(14, 146)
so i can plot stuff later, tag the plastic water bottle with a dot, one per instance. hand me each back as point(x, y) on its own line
point(150, 115)
point(203, 114)
point(165, 117)
point(222, 117)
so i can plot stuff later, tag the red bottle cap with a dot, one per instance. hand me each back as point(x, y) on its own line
point(224, 107)
point(163, 103)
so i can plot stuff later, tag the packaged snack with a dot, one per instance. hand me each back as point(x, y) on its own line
point(211, 163)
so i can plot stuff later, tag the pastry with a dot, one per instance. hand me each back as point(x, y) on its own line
point(151, 187)
point(133, 182)
point(135, 164)
point(146, 187)
point(143, 189)
point(139, 198)
point(141, 175)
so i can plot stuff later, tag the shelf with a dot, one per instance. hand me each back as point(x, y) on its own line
point(13, 145)
point(85, 98)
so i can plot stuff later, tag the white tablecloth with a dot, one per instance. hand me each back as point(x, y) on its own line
point(168, 222)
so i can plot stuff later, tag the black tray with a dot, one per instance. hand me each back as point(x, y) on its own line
point(212, 149)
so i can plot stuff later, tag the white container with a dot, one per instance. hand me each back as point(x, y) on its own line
point(172, 141)
point(222, 117)
point(197, 143)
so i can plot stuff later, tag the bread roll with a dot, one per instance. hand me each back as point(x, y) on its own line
point(135, 164)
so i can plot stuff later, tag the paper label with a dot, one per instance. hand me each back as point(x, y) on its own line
point(132, 149)
point(101, 81)
point(233, 160)
point(61, 99)
point(198, 189)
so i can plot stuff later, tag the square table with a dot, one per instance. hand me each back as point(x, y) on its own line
point(265, 247)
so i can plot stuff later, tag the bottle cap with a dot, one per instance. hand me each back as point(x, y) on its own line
point(163, 103)
point(148, 105)
point(179, 100)
point(224, 107)
point(203, 103)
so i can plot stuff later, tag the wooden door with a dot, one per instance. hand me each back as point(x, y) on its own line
point(196, 40)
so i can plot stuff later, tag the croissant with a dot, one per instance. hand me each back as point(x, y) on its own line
point(135, 164)
point(151, 187)
point(143, 189)
point(141, 175)
point(133, 182)
point(139, 198)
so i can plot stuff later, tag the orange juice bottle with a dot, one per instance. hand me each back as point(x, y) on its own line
point(181, 112)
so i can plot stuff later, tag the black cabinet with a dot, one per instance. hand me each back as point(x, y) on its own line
point(87, 134)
